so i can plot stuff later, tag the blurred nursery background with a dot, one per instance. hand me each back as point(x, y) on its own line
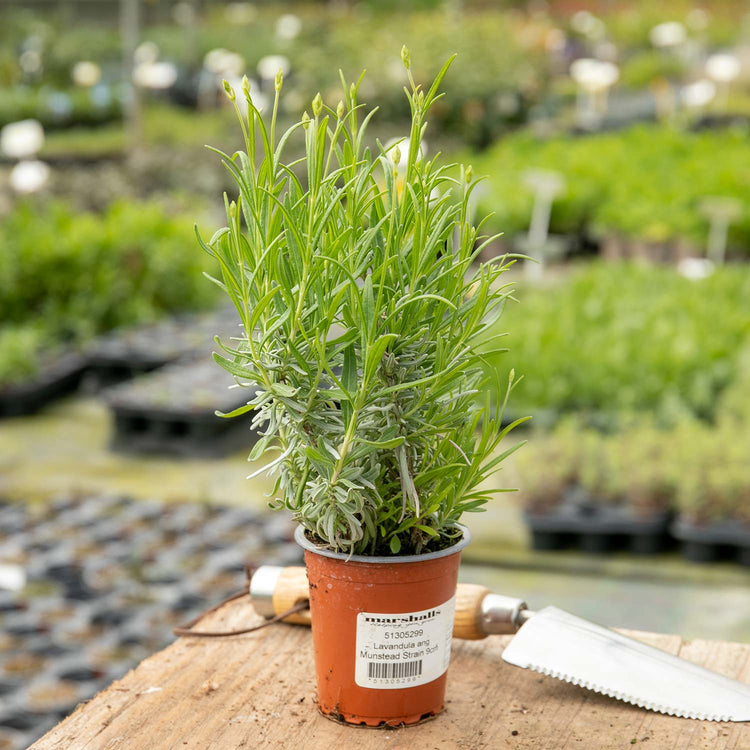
point(615, 136)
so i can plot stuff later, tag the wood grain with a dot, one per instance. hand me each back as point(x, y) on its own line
point(257, 691)
point(468, 618)
point(292, 588)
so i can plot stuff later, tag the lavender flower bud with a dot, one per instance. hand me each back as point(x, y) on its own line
point(317, 105)
point(405, 57)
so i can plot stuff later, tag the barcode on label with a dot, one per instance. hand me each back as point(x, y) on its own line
point(393, 670)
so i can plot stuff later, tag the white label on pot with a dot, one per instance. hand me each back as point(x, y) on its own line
point(403, 650)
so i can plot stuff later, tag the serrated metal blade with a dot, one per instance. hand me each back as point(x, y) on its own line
point(569, 648)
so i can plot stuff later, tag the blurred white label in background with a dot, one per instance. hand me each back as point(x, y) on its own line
point(668, 34)
point(146, 52)
point(269, 65)
point(240, 14)
point(224, 62)
point(86, 74)
point(695, 268)
point(29, 176)
point(288, 27)
point(594, 75)
point(723, 67)
point(156, 75)
point(698, 94)
point(22, 139)
point(12, 577)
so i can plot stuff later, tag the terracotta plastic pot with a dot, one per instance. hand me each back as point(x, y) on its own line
point(382, 629)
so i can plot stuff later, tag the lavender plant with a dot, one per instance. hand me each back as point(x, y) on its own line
point(354, 274)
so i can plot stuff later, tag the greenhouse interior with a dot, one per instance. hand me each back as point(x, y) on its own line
point(359, 280)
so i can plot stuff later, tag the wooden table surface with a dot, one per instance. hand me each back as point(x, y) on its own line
point(257, 691)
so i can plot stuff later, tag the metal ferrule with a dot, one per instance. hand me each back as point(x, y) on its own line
point(262, 585)
point(502, 614)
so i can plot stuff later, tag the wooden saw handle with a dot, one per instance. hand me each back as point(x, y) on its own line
point(291, 589)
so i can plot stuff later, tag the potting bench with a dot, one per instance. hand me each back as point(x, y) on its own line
point(257, 691)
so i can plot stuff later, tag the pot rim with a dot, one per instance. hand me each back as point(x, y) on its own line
point(301, 539)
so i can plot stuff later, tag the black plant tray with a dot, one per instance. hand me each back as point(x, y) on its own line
point(717, 121)
point(58, 377)
point(108, 579)
point(172, 411)
point(709, 542)
point(598, 529)
point(126, 353)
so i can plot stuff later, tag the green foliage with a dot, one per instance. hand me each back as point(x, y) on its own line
point(490, 88)
point(503, 67)
point(714, 480)
point(698, 469)
point(645, 464)
point(714, 470)
point(66, 276)
point(84, 142)
point(23, 102)
point(362, 308)
point(168, 128)
point(19, 351)
point(59, 40)
point(610, 338)
point(645, 67)
point(609, 190)
point(550, 464)
point(630, 26)
point(637, 466)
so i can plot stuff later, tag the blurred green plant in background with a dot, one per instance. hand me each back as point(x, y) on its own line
point(67, 276)
point(644, 182)
point(614, 338)
point(692, 467)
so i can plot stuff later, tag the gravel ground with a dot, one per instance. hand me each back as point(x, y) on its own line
point(107, 578)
